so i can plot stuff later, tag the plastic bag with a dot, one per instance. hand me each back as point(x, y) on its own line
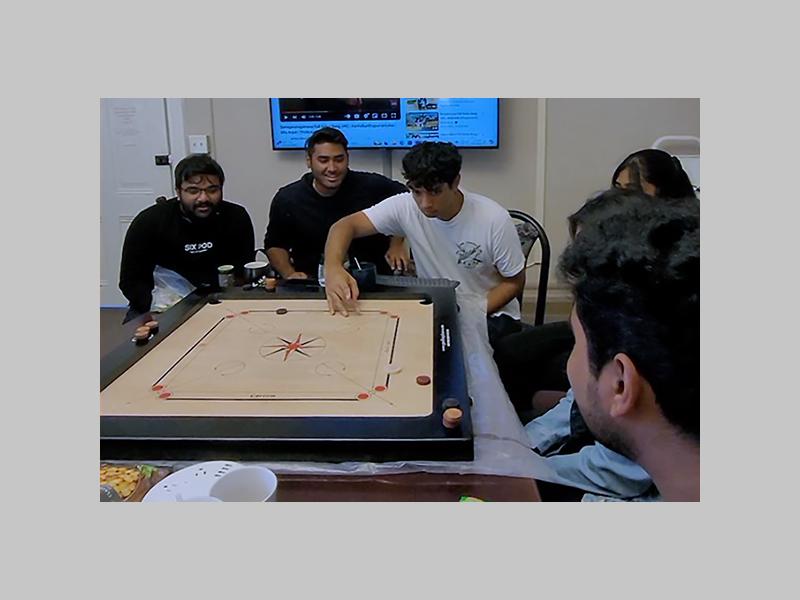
point(170, 288)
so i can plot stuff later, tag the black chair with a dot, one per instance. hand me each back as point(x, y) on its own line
point(529, 231)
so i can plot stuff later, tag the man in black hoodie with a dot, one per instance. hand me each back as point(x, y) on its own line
point(191, 234)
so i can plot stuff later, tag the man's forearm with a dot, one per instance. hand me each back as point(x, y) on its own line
point(339, 239)
point(504, 292)
point(136, 268)
point(279, 260)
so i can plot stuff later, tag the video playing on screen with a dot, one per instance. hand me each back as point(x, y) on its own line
point(387, 122)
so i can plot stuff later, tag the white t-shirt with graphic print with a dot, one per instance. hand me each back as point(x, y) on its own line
point(475, 247)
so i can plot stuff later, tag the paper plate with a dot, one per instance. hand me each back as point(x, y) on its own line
point(190, 482)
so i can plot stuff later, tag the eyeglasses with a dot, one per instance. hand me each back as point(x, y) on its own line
point(211, 190)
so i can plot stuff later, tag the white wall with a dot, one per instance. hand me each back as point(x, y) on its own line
point(585, 140)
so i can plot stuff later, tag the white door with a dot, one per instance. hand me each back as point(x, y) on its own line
point(133, 133)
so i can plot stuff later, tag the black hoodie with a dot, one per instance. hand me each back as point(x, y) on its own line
point(163, 235)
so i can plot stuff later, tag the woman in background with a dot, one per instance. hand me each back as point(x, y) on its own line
point(655, 173)
point(535, 358)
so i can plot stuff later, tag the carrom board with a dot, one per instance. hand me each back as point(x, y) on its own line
point(276, 376)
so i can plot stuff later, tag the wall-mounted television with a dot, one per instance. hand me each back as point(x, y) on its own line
point(387, 122)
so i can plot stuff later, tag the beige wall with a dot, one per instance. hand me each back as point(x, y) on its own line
point(585, 140)
point(588, 138)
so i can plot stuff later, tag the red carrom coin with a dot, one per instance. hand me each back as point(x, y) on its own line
point(423, 379)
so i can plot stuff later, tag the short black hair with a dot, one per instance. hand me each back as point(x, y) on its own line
point(197, 164)
point(659, 168)
point(430, 164)
point(325, 135)
point(635, 278)
point(604, 204)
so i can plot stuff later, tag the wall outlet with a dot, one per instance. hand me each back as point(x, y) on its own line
point(198, 144)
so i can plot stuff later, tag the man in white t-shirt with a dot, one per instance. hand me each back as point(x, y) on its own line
point(456, 235)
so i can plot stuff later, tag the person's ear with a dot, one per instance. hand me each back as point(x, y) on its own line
point(627, 385)
point(456, 181)
point(308, 161)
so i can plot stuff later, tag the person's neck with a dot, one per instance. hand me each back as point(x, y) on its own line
point(457, 206)
point(324, 192)
point(673, 461)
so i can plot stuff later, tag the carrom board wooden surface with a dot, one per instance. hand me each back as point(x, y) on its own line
point(285, 357)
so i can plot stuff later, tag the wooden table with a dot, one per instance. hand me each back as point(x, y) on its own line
point(401, 487)
point(405, 487)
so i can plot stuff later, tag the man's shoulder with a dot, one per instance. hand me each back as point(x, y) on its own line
point(488, 208)
point(485, 202)
point(292, 189)
point(231, 211)
point(232, 207)
point(367, 176)
point(160, 210)
point(397, 201)
point(374, 179)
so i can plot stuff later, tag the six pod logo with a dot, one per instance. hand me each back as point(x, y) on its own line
point(197, 248)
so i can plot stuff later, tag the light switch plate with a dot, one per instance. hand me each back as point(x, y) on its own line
point(198, 144)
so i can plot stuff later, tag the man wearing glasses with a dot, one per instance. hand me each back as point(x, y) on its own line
point(191, 234)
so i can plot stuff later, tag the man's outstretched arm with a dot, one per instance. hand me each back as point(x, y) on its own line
point(340, 287)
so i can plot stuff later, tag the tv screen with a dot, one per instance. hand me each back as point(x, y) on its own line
point(387, 122)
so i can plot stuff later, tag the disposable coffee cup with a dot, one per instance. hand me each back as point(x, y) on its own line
point(246, 484)
point(225, 276)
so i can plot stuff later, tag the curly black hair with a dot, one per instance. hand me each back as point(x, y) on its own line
point(634, 272)
point(430, 164)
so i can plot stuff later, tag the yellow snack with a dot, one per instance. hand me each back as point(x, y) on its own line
point(122, 479)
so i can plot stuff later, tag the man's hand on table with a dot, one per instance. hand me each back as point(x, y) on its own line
point(397, 256)
point(341, 291)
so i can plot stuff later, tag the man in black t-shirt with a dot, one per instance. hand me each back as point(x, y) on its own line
point(191, 234)
point(302, 212)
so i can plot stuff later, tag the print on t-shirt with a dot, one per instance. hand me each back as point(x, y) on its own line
point(469, 254)
point(198, 248)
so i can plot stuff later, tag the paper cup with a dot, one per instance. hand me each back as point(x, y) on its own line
point(246, 484)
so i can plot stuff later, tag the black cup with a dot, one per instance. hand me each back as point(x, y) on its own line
point(253, 271)
point(365, 276)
